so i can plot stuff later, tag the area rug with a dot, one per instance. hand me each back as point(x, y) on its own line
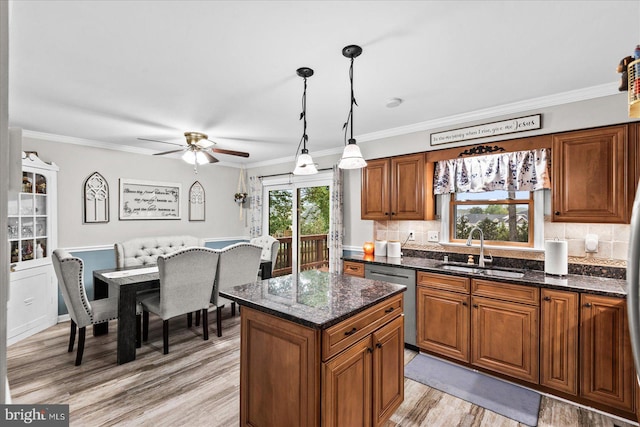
point(510, 400)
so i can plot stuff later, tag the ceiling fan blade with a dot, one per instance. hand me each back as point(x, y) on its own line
point(230, 152)
point(168, 152)
point(209, 157)
point(155, 140)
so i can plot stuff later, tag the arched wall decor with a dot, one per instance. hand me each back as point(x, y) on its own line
point(96, 199)
point(196, 202)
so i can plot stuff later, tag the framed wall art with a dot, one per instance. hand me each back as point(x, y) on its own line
point(149, 199)
point(96, 199)
point(196, 202)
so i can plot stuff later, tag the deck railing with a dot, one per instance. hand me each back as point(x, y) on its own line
point(314, 253)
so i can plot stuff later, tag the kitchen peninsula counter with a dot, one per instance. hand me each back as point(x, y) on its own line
point(320, 349)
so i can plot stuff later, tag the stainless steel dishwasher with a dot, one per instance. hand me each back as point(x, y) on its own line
point(401, 276)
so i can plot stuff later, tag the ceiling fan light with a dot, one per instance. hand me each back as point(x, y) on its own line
point(305, 165)
point(352, 157)
point(189, 157)
point(201, 158)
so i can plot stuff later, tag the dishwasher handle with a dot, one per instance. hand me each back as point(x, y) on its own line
point(385, 274)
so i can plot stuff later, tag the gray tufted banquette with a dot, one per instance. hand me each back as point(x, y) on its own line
point(144, 251)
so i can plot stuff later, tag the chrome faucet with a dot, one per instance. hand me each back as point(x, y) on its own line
point(481, 259)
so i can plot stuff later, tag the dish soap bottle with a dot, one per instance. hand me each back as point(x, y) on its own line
point(470, 260)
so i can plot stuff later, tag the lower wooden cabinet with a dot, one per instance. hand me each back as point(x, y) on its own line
point(292, 375)
point(504, 337)
point(606, 364)
point(576, 344)
point(443, 322)
point(559, 340)
point(364, 385)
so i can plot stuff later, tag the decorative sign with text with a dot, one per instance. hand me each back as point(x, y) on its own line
point(520, 124)
point(149, 199)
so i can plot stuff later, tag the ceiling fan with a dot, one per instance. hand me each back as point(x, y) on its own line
point(198, 149)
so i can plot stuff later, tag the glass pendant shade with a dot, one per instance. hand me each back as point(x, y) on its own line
point(305, 165)
point(193, 157)
point(352, 157)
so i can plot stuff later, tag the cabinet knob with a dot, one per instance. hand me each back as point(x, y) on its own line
point(464, 303)
point(557, 212)
point(588, 305)
point(351, 332)
point(378, 345)
point(547, 298)
point(12, 268)
point(389, 310)
point(369, 350)
point(393, 213)
point(475, 305)
point(386, 213)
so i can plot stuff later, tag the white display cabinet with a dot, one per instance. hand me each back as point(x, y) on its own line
point(32, 230)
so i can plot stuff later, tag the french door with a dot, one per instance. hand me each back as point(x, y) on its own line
point(297, 213)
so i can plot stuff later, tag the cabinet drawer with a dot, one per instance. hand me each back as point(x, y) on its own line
point(339, 337)
point(353, 268)
point(506, 291)
point(444, 282)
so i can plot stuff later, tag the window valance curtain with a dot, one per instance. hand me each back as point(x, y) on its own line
point(515, 171)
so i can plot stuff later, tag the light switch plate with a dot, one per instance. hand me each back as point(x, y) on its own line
point(432, 236)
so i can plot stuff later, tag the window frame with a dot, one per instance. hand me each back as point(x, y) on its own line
point(531, 203)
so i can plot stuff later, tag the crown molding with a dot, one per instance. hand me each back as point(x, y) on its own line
point(569, 97)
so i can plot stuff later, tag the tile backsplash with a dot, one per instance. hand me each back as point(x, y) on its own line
point(613, 240)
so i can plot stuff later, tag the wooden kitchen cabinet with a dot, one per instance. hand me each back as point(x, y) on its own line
point(443, 315)
point(591, 176)
point(607, 374)
point(364, 384)
point(559, 340)
point(352, 268)
point(394, 189)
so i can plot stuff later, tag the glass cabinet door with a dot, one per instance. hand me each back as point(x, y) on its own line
point(28, 219)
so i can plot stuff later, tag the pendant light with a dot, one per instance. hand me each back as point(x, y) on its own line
point(304, 162)
point(351, 157)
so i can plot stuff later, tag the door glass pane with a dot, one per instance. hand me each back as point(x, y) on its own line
point(41, 184)
point(41, 227)
point(41, 205)
point(280, 223)
point(313, 225)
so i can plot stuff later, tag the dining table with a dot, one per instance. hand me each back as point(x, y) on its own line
point(126, 282)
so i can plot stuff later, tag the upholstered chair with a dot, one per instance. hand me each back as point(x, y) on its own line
point(69, 270)
point(238, 265)
point(270, 246)
point(186, 283)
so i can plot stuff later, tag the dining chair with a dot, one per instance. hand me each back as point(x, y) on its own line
point(69, 271)
point(238, 265)
point(270, 246)
point(186, 283)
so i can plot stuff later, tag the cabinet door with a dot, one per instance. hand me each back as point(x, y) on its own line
point(388, 370)
point(407, 187)
point(504, 337)
point(375, 202)
point(347, 387)
point(607, 372)
point(443, 323)
point(559, 340)
point(590, 172)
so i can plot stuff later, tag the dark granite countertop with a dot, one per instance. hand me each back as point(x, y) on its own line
point(313, 298)
point(571, 282)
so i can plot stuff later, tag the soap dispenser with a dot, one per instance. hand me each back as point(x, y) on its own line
point(470, 260)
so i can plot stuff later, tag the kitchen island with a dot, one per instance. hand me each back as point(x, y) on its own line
point(320, 349)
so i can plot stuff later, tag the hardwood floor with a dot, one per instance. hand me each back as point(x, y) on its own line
point(197, 383)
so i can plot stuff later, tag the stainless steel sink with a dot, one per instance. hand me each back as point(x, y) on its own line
point(462, 268)
point(492, 272)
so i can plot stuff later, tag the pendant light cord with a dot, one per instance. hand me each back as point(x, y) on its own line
point(303, 117)
point(353, 101)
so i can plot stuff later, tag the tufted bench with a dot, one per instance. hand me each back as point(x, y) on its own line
point(144, 251)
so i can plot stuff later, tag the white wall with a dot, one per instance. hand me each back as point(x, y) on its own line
point(77, 162)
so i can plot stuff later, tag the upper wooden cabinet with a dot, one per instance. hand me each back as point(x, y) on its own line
point(591, 175)
point(394, 189)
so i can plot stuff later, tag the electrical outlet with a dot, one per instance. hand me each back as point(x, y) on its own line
point(412, 235)
point(432, 236)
